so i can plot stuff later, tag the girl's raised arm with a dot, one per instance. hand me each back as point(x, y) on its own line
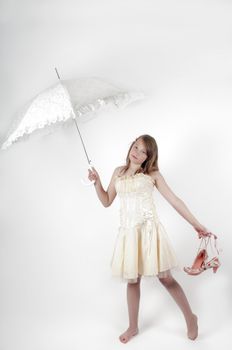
point(106, 197)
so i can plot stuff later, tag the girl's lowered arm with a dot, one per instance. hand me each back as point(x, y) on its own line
point(175, 201)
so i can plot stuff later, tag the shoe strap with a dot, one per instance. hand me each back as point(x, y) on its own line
point(207, 239)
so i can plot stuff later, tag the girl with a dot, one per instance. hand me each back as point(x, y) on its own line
point(142, 247)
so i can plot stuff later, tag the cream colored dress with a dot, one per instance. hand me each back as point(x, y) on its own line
point(142, 247)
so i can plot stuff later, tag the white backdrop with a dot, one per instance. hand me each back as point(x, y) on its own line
point(56, 237)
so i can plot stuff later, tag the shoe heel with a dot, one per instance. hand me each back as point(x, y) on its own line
point(215, 269)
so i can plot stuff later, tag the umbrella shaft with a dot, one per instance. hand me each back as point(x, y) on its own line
point(82, 141)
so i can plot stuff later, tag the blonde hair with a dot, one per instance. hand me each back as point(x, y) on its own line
point(151, 162)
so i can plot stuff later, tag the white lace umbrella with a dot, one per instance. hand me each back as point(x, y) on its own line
point(67, 101)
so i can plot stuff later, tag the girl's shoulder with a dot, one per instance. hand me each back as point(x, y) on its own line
point(119, 170)
point(154, 174)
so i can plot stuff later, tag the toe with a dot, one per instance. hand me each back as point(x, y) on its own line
point(126, 336)
point(123, 338)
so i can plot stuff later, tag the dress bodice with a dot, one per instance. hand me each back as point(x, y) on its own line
point(135, 193)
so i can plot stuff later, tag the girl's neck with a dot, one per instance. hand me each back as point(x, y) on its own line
point(133, 168)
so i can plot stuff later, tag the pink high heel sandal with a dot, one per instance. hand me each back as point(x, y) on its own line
point(200, 264)
point(213, 263)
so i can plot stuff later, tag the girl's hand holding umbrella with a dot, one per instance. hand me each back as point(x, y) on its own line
point(93, 175)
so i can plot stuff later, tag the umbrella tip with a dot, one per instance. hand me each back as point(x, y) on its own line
point(57, 73)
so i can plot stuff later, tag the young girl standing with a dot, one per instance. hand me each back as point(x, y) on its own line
point(142, 247)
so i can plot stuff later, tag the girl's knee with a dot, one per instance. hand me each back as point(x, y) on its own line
point(167, 281)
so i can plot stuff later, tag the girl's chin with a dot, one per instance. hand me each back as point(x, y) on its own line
point(133, 161)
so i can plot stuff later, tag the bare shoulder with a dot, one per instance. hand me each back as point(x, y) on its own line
point(118, 169)
point(164, 188)
point(116, 173)
point(155, 175)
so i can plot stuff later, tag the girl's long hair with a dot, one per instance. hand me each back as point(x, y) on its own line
point(151, 162)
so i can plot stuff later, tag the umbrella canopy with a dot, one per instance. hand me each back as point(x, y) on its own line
point(67, 100)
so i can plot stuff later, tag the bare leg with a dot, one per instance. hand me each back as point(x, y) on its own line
point(133, 298)
point(179, 296)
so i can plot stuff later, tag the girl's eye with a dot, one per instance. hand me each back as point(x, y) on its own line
point(143, 151)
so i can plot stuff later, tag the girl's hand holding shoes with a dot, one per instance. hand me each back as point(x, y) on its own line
point(202, 230)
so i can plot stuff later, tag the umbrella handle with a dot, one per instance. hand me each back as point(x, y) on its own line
point(87, 183)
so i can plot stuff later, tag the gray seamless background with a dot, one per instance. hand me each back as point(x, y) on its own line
point(56, 238)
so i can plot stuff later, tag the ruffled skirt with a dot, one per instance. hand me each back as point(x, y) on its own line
point(143, 250)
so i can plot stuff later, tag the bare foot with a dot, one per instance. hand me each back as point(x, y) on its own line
point(124, 337)
point(193, 328)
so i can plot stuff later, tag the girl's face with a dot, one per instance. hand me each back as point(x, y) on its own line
point(138, 152)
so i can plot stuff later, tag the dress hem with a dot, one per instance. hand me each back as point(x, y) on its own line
point(164, 273)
